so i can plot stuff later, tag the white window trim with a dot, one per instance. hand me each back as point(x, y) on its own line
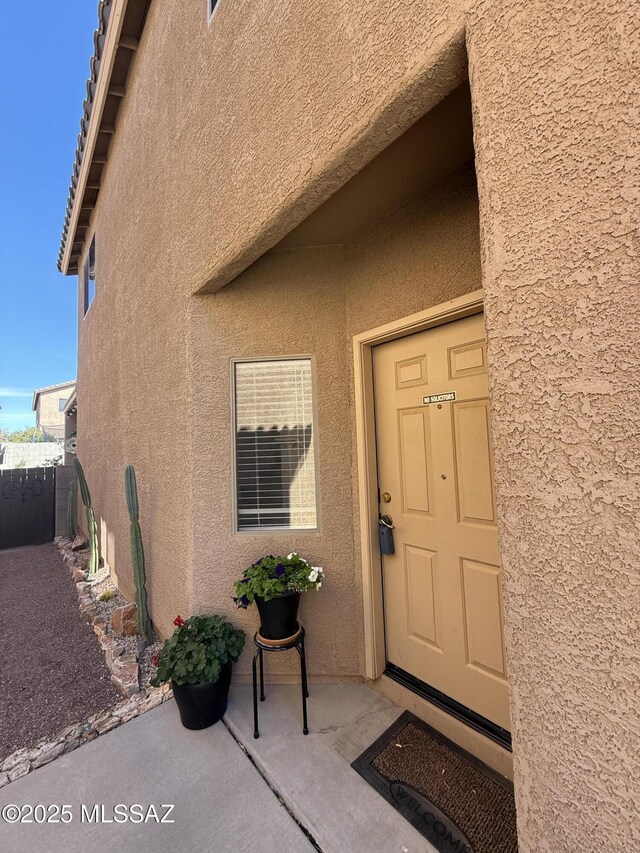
point(258, 531)
point(211, 11)
point(85, 284)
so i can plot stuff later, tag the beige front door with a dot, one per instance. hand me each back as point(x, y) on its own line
point(442, 586)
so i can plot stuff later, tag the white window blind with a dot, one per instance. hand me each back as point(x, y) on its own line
point(274, 435)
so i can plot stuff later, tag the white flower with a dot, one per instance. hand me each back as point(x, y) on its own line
point(291, 555)
point(318, 585)
point(318, 569)
point(313, 575)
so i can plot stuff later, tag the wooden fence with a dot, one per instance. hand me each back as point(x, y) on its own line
point(27, 506)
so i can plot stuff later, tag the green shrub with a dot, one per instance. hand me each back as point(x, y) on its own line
point(197, 650)
point(108, 595)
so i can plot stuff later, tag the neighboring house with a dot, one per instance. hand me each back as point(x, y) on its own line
point(71, 426)
point(49, 404)
point(341, 259)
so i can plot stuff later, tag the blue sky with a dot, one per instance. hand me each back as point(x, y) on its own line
point(44, 64)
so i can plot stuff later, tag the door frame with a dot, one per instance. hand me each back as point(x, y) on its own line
point(446, 312)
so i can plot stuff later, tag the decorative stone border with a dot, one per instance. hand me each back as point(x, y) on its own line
point(24, 760)
point(123, 665)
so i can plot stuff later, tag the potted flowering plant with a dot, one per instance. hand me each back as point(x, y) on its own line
point(275, 584)
point(197, 659)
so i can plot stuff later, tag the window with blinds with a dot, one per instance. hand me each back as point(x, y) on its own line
point(89, 275)
point(274, 444)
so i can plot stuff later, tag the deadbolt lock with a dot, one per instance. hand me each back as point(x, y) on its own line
point(386, 497)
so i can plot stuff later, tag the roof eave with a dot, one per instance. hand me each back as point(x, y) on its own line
point(85, 153)
point(46, 388)
point(120, 26)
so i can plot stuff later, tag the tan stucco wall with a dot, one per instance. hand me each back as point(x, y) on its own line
point(556, 123)
point(312, 81)
point(309, 301)
point(133, 408)
point(426, 253)
point(267, 312)
point(208, 169)
point(48, 414)
point(298, 302)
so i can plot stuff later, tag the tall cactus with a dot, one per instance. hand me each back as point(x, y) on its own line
point(137, 554)
point(71, 515)
point(94, 555)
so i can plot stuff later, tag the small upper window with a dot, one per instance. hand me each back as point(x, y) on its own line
point(89, 276)
point(62, 402)
point(275, 470)
point(212, 6)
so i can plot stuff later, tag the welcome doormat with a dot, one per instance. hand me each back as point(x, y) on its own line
point(455, 801)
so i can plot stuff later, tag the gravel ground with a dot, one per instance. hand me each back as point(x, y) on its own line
point(52, 671)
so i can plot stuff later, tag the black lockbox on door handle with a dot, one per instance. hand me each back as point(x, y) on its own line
point(385, 529)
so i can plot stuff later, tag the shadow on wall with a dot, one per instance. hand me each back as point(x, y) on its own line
point(267, 463)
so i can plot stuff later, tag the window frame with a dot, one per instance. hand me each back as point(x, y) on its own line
point(261, 531)
point(86, 305)
point(62, 402)
point(212, 8)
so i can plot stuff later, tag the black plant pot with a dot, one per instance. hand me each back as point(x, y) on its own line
point(279, 615)
point(202, 705)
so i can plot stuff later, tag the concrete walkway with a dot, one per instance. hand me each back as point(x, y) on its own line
point(222, 801)
point(313, 774)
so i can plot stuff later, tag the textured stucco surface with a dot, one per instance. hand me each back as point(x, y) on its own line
point(48, 414)
point(228, 137)
point(286, 304)
point(303, 95)
point(556, 124)
point(132, 408)
point(295, 302)
point(179, 195)
point(311, 301)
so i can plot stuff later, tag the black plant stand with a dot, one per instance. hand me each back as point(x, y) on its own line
point(295, 642)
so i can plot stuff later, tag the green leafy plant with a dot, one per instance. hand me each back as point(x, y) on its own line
point(271, 576)
point(30, 435)
point(197, 650)
point(137, 555)
point(94, 556)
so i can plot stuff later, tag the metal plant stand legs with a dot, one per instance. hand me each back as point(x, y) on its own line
point(296, 642)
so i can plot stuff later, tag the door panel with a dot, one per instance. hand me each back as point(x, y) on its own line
point(442, 587)
point(472, 451)
point(482, 596)
point(414, 441)
point(422, 601)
